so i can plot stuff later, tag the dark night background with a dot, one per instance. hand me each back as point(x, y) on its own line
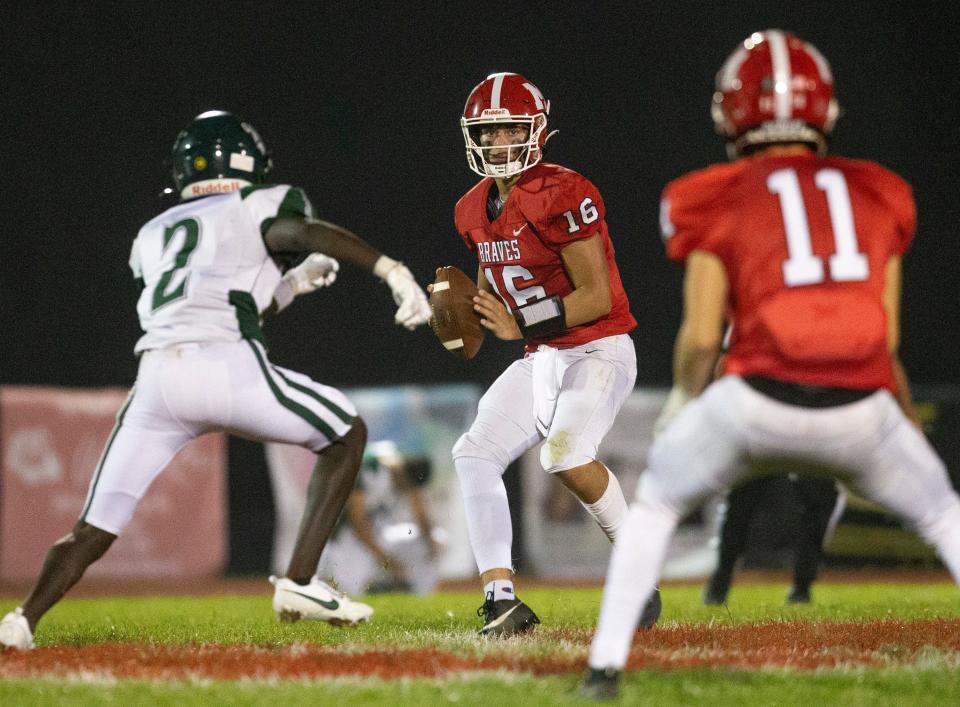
point(359, 104)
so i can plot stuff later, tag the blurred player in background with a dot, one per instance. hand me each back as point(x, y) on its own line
point(547, 275)
point(820, 503)
point(209, 267)
point(385, 540)
point(801, 252)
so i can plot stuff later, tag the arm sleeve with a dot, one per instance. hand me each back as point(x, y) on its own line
point(571, 210)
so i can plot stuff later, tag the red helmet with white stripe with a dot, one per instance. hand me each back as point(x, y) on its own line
point(774, 88)
point(505, 98)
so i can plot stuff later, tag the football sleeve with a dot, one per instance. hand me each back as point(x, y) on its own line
point(461, 222)
point(686, 206)
point(905, 210)
point(574, 210)
point(135, 265)
point(267, 204)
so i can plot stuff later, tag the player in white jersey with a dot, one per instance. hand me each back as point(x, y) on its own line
point(209, 269)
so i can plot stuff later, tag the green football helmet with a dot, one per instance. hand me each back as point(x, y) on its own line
point(218, 153)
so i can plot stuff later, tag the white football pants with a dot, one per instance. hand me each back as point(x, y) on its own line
point(187, 390)
point(567, 397)
point(870, 445)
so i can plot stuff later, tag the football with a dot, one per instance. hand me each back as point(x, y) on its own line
point(454, 321)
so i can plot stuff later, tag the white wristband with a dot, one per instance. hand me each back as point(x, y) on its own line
point(383, 266)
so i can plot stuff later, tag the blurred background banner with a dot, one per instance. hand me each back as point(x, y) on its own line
point(422, 421)
point(50, 442)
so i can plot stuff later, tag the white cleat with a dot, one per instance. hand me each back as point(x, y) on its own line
point(317, 601)
point(15, 632)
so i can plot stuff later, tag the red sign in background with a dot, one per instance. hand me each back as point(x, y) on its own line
point(50, 442)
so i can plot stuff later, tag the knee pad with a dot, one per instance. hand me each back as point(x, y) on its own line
point(562, 451)
point(475, 445)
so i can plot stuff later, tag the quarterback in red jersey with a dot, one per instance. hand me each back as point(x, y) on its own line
point(801, 254)
point(547, 275)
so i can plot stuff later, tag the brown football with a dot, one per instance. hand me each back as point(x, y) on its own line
point(454, 321)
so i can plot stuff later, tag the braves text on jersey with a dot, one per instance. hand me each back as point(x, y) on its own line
point(549, 208)
point(206, 272)
point(805, 241)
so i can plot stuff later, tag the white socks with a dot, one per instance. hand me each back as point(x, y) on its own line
point(501, 588)
point(488, 513)
point(610, 510)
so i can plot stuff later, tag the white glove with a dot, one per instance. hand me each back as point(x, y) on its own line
point(677, 399)
point(414, 309)
point(316, 271)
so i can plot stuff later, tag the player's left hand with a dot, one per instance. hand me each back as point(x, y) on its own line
point(496, 317)
point(316, 271)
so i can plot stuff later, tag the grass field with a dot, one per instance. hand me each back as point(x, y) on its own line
point(858, 644)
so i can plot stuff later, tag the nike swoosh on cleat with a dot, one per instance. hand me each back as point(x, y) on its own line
point(332, 605)
point(500, 619)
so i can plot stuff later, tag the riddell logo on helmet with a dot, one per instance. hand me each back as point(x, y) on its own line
point(218, 187)
point(495, 113)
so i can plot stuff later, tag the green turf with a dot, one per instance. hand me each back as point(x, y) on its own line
point(689, 687)
point(447, 621)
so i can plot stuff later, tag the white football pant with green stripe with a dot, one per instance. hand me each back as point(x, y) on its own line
point(186, 390)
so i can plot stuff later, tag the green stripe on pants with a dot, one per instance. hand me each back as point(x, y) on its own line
point(106, 450)
point(291, 405)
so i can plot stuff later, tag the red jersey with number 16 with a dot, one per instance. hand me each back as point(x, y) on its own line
point(805, 242)
point(549, 208)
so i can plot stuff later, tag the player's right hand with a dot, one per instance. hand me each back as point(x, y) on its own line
point(496, 317)
point(414, 308)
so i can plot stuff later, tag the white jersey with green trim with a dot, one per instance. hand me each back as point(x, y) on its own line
point(207, 274)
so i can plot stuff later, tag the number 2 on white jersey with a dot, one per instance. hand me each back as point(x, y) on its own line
point(802, 267)
point(164, 293)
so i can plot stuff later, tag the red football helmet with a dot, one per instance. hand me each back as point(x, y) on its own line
point(774, 88)
point(505, 98)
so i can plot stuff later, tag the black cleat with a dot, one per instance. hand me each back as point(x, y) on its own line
point(600, 684)
point(651, 611)
point(798, 595)
point(506, 617)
